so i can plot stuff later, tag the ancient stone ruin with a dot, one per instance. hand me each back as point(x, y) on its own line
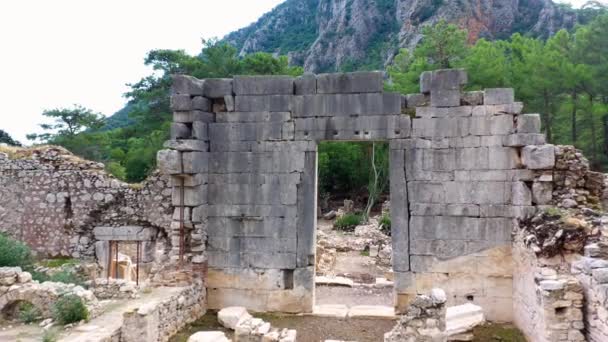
point(235, 203)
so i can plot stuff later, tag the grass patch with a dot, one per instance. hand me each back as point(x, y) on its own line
point(58, 262)
point(498, 332)
point(348, 222)
point(385, 224)
point(28, 313)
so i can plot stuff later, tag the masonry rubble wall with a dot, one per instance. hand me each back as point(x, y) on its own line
point(53, 200)
point(462, 169)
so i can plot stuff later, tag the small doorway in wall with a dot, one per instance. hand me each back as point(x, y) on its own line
point(353, 250)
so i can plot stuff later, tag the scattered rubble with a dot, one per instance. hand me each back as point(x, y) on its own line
point(250, 329)
point(425, 320)
point(209, 336)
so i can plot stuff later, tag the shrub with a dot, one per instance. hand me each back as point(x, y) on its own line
point(67, 277)
point(70, 309)
point(50, 335)
point(14, 253)
point(385, 224)
point(348, 222)
point(28, 313)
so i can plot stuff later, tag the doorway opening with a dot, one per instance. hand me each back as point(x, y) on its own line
point(353, 250)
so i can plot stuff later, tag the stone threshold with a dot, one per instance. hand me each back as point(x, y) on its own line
point(356, 312)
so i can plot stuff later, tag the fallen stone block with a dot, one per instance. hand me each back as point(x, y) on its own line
point(331, 310)
point(334, 281)
point(463, 318)
point(372, 311)
point(208, 336)
point(230, 317)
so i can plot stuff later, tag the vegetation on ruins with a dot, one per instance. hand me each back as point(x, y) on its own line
point(348, 222)
point(14, 253)
point(70, 309)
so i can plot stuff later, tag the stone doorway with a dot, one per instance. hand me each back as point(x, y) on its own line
point(353, 246)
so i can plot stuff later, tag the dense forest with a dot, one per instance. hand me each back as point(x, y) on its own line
point(563, 78)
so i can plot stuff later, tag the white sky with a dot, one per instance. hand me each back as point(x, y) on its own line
point(55, 53)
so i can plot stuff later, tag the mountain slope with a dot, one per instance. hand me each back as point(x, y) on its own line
point(329, 35)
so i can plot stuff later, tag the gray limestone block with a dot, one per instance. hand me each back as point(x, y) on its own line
point(404, 282)
point(460, 111)
point(180, 131)
point(263, 103)
point(253, 117)
point(472, 158)
point(464, 142)
point(268, 244)
point(498, 96)
point(442, 249)
point(472, 98)
point(523, 139)
point(347, 104)
point(186, 85)
point(445, 98)
point(492, 140)
point(306, 85)
point(193, 196)
point(130, 233)
point(304, 277)
point(528, 123)
point(229, 103)
point(503, 158)
point(521, 194)
point(539, 157)
point(462, 210)
point(426, 192)
point(189, 180)
point(181, 102)
point(426, 81)
point(416, 100)
point(200, 130)
point(201, 103)
point(431, 112)
point(263, 85)
point(427, 209)
point(448, 79)
point(187, 145)
point(268, 260)
point(195, 162)
point(542, 193)
point(491, 192)
point(288, 131)
point(307, 207)
point(498, 229)
point(399, 217)
point(502, 124)
point(356, 82)
point(191, 116)
point(223, 259)
point(216, 88)
point(169, 162)
point(421, 263)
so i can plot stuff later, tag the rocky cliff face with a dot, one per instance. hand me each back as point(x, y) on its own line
point(327, 35)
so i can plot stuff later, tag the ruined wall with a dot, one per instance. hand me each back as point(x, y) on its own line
point(460, 173)
point(53, 200)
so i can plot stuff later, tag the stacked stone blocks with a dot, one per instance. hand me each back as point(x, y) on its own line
point(462, 166)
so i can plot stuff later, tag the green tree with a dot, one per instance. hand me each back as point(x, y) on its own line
point(5, 138)
point(67, 123)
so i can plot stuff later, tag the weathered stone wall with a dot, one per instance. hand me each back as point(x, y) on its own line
point(159, 321)
point(53, 200)
point(460, 173)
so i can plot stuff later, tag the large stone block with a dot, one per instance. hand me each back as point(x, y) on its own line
point(356, 82)
point(263, 103)
point(181, 103)
point(201, 103)
point(540, 157)
point(250, 226)
point(306, 85)
point(195, 162)
point(498, 96)
point(233, 117)
point(472, 98)
point(187, 145)
point(528, 123)
point(542, 193)
point(192, 196)
point(169, 162)
point(180, 131)
point(445, 98)
point(503, 158)
point(523, 139)
point(521, 194)
point(218, 87)
point(448, 79)
point(125, 233)
point(347, 104)
point(426, 81)
point(263, 85)
point(416, 100)
point(186, 85)
point(238, 278)
point(194, 115)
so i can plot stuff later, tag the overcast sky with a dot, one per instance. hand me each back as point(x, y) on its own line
point(55, 53)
